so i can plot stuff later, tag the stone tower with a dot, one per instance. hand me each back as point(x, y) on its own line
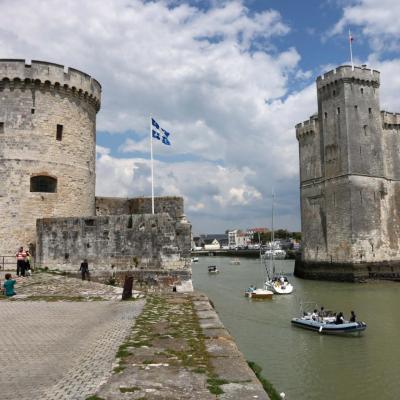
point(47, 147)
point(350, 181)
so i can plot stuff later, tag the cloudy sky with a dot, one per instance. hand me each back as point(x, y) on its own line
point(228, 79)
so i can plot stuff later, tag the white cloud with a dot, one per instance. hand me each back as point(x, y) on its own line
point(212, 77)
point(378, 21)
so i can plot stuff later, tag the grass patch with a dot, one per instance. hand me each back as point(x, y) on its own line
point(268, 386)
point(214, 385)
point(129, 389)
point(118, 369)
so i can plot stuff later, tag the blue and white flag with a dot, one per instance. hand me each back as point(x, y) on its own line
point(159, 133)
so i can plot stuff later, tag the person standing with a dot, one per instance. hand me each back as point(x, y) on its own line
point(21, 258)
point(84, 270)
point(353, 317)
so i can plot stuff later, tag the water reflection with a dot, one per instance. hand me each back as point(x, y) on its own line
point(304, 364)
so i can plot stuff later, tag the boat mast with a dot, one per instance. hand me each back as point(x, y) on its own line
point(272, 234)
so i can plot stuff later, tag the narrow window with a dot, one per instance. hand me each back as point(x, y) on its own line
point(326, 115)
point(355, 108)
point(44, 184)
point(32, 111)
point(361, 197)
point(334, 198)
point(370, 110)
point(334, 92)
point(338, 110)
point(59, 132)
point(362, 91)
point(365, 129)
point(1, 127)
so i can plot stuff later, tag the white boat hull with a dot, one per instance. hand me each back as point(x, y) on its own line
point(259, 294)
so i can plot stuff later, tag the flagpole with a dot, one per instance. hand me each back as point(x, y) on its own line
point(351, 50)
point(152, 169)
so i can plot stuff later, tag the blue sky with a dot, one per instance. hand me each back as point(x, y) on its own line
point(228, 79)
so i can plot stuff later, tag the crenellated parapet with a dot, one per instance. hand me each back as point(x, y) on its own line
point(390, 120)
point(346, 73)
point(307, 128)
point(48, 76)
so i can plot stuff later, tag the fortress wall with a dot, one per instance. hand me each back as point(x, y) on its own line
point(308, 135)
point(30, 111)
point(313, 221)
point(153, 242)
point(172, 205)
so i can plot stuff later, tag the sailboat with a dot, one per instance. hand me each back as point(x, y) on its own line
point(278, 283)
point(254, 293)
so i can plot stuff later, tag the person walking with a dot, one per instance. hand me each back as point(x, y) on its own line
point(21, 261)
point(85, 270)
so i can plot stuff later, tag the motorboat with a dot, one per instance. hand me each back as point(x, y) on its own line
point(212, 269)
point(235, 261)
point(195, 259)
point(279, 284)
point(254, 293)
point(327, 324)
point(328, 327)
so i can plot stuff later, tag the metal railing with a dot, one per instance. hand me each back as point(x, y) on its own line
point(8, 262)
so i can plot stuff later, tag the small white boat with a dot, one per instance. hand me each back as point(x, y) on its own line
point(212, 269)
point(235, 261)
point(195, 259)
point(254, 293)
point(279, 285)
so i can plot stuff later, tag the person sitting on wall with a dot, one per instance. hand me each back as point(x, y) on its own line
point(85, 270)
point(352, 316)
point(8, 286)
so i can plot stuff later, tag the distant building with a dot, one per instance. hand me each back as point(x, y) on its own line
point(211, 244)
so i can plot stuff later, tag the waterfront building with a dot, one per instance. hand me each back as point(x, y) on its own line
point(350, 181)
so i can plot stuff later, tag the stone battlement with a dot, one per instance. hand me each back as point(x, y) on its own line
point(307, 127)
point(54, 75)
point(361, 75)
point(390, 120)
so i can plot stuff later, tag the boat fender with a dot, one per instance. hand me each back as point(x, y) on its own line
point(320, 329)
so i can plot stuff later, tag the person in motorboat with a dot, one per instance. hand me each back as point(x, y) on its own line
point(314, 315)
point(339, 319)
point(352, 316)
point(250, 289)
point(322, 313)
point(282, 280)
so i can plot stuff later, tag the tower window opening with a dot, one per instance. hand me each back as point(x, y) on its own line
point(338, 110)
point(32, 111)
point(44, 184)
point(326, 115)
point(362, 91)
point(370, 110)
point(334, 92)
point(59, 132)
point(365, 129)
point(1, 127)
point(355, 108)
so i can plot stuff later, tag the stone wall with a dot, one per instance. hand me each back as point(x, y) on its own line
point(140, 205)
point(142, 243)
point(34, 99)
point(350, 219)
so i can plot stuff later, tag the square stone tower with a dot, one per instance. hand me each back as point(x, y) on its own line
point(349, 181)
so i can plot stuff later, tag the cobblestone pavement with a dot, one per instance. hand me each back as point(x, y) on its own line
point(60, 350)
point(44, 285)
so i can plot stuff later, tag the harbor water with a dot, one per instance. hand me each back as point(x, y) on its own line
point(304, 364)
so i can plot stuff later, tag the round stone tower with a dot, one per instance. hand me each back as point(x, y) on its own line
point(47, 147)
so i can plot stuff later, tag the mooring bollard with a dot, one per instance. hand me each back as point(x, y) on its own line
point(128, 286)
